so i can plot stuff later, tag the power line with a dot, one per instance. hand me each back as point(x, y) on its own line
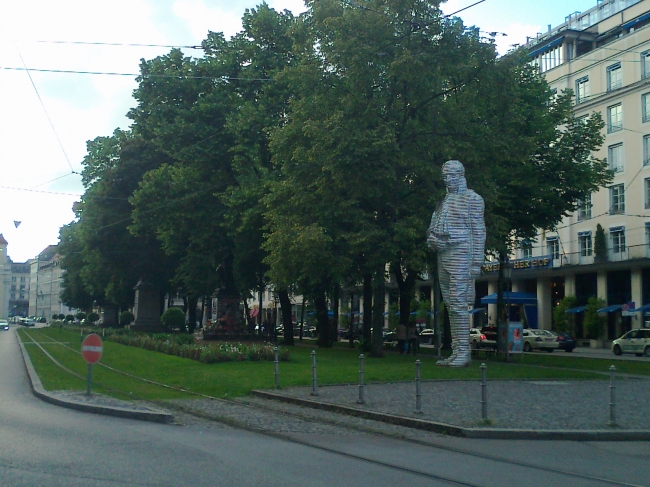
point(120, 44)
point(46, 114)
point(108, 73)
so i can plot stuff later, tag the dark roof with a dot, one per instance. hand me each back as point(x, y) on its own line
point(3, 241)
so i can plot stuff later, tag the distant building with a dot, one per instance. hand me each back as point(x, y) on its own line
point(603, 55)
point(46, 277)
point(14, 284)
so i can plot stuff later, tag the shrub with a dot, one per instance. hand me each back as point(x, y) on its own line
point(69, 318)
point(80, 315)
point(173, 318)
point(561, 320)
point(126, 318)
point(92, 317)
point(593, 322)
point(600, 244)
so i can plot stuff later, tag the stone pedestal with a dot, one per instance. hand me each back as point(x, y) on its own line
point(109, 316)
point(146, 308)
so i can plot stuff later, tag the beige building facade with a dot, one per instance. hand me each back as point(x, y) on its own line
point(603, 55)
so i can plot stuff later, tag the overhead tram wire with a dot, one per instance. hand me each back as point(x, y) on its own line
point(119, 44)
point(176, 76)
point(47, 114)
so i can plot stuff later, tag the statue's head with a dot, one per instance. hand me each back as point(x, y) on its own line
point(453, 174)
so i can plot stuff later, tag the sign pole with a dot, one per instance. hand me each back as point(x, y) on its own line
point(89, 380)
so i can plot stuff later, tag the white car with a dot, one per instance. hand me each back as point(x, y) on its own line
point(539, 340)
point(4, 325)
point(634, 341)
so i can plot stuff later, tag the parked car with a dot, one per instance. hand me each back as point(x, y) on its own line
point(4, 325)
point(565, 341)
point(30, 321)
point(390, 338)
point(478, 339)
point(634, 341)
point(539, 340)
point(427, 336)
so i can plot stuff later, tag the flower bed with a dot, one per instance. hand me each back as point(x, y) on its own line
point(186, 347)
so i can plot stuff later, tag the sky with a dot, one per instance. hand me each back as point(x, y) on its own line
point(46, 118)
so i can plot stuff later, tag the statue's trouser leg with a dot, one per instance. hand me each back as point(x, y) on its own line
point(457, 290)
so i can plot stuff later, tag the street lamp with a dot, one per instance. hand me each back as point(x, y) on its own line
point(276, 299)
point(505, 274)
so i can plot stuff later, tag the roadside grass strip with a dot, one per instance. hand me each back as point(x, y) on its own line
point(236, 379)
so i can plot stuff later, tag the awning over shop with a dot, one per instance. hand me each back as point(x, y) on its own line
point(642, 309)
point(477, 310)
point(510, 297)
point(610, 309)
point(578, 309)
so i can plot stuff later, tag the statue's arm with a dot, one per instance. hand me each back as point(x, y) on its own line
point(477, 227)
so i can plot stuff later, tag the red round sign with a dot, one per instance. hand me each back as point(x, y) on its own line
point(92, 348)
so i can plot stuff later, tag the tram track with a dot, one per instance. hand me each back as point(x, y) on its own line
point(275, 408)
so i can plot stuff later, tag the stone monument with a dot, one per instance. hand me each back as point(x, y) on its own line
point(457, 233)
point(146, 308)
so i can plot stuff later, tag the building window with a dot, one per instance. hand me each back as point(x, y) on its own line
point(13, 296)
point(616, 199)
point(646, 150)
point(526, 249)
point(647, 193)
point(647, 233)
point(614, 118)
point(13, 279)
point(22, 296)
point(615, 157)
point(22, 279)
point(645, 64)
point(614, 77)
point(584, 241)
point(645, 107)
point(582, 89)
point(553, 247)
point(584, 210)
point(618, 239)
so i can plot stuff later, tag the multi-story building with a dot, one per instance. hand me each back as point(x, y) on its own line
point(14, 284)
point(46, 277)
point(603, 55)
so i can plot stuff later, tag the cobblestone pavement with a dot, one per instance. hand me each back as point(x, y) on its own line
point(576, 405)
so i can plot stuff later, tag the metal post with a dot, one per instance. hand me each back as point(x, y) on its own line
point(418, 395)
point(361, 401)
point(89, 379)
point(612, 399)
point(484, 414)
point(277, 370)
point(314, 377)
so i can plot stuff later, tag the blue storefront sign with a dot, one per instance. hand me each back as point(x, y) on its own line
point(530, 263)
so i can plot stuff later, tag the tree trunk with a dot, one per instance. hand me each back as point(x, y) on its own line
point(379, 283)
point(320, 303)
point(334, 331)
point(351, 329)
point(367, 307)
point(285, 304)
point(191, 313)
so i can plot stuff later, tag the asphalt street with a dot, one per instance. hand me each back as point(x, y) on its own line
point(45, 445)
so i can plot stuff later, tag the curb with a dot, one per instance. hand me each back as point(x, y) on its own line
point(452, 430)
point(41, 393)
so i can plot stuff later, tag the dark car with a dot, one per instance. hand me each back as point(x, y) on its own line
point(565, 341)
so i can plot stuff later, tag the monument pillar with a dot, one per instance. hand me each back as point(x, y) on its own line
point(544, 304)
point(146, 308)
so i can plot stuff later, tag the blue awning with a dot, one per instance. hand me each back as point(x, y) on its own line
point(477, 310)
point(510, 297)
point(642, 309)
point(546, 47)
point(632, 23)
point(578, 309)
point(610, 309)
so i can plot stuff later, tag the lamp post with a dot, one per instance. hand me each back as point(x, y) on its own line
point(276, 300)
point(505, 274)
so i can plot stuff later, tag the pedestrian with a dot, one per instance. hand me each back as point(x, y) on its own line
point(413, 339)
point(401, 338)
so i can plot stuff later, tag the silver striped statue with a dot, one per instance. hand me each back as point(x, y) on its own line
point(457, 233)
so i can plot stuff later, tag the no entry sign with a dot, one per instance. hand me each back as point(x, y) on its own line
point(92, 348)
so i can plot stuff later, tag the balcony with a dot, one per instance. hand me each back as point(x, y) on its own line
point(632, 252)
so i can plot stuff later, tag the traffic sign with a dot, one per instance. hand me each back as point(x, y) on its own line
point(92, 348)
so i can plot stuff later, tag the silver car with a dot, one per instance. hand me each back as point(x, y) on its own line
point(539, 340)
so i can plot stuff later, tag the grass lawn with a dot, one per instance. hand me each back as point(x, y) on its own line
point(230, 379)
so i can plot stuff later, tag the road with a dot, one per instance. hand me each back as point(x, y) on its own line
point(45, 445)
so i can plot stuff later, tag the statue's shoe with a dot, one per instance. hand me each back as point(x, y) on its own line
point(462, 360)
